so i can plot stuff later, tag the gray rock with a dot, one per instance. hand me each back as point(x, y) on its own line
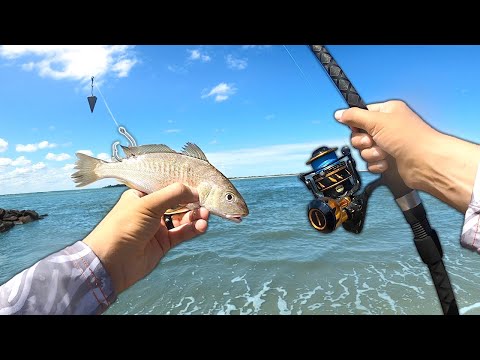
point(33, 214)
point(26, 219)
point(10, 218)
point(5, 226)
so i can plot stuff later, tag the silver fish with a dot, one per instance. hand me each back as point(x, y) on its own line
point(149, 168)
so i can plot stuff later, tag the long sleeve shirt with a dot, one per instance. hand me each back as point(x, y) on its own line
point(71, 281)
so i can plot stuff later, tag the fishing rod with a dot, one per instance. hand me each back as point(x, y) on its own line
point(425, 239)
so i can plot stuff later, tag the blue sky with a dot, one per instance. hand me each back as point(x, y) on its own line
point(248, 107)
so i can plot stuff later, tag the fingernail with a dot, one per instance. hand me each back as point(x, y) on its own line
point(338, 114)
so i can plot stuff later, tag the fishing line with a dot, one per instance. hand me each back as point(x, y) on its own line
point(301, 71)
point(121, 129)
point(108, 108)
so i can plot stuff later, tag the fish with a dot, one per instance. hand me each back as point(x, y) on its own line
point(149, 168)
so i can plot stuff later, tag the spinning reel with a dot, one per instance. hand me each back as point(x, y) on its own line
point(334, 183)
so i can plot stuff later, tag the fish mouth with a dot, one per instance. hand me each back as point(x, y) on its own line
point(234, 218)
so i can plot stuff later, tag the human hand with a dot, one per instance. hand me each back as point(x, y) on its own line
point(392, 128)
point(133, 237)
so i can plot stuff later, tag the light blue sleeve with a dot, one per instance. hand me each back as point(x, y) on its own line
point(71, 281)
point(471, 227)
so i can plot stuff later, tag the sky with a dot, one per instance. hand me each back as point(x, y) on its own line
point(249, 108)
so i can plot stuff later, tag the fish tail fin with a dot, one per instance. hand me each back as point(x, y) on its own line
point(87, 167)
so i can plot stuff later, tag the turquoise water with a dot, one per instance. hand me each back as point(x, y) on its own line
point(271, 263)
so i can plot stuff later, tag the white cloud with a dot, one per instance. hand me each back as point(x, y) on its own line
point(3, 145)
point(104, 156)
point(34, 147)
point(38, 166)
point(21, 161)
point(68, 167)
point(198, 55)
point(5, 161)
point(172, 131)
point(51, 128)
point(86, 152)
point(273, 159)
point(12, 175)
point(57, 157)
point(46, 145)
point(256, 46)
point(235, 63)
point(26, 148)
point(270, 117)
point(177, 69)
point(73, 62)
point(221, 92)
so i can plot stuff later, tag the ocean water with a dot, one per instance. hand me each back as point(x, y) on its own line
point(271, 263)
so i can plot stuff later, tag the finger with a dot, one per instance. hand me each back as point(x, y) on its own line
point(361, 141)
point(378, 167)
point(187, 231)
point(359, 118)
point(159, 201)
point(373, 154)
point(378, 107)
point(185, 218)
point(133, 194)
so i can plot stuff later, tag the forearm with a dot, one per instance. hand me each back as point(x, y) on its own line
point(71, 281)
point(447, 168)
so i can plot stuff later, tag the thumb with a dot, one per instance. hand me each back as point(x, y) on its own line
point(169, 197)
point(359, 118)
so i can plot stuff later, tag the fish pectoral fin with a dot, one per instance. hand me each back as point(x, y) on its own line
point(177, 210)
point(180, 209)
point(193, 206)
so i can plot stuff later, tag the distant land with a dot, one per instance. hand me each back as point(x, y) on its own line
point(260, 176)
point(114, 186)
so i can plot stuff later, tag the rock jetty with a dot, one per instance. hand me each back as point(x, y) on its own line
point(10, 218)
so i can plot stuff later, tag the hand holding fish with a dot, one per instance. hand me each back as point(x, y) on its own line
point(133, 237)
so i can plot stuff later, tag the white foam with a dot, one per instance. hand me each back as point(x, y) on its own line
point(256, 300)
point(281, 303)
point(468, 308)
point(391, 302)
point(315, 306)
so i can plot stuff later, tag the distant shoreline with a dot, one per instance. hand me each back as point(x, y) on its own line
point(260, 176)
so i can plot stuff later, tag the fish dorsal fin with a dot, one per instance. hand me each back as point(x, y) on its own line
point(194, 151)
point(147, 149)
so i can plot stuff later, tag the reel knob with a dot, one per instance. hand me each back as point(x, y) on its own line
point(321, 216)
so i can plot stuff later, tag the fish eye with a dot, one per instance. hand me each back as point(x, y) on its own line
point(229, 197)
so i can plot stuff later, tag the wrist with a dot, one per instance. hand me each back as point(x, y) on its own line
point(105, 255)
point(447, 168)
point(423, 160)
